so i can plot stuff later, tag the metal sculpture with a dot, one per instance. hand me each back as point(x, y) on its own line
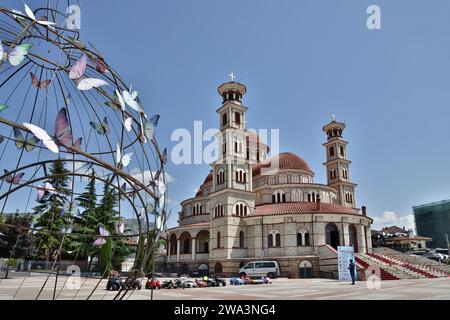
point(60, 101)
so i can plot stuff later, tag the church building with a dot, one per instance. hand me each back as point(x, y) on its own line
point(253, 207)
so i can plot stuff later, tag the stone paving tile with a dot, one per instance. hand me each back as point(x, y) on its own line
point(281, 289)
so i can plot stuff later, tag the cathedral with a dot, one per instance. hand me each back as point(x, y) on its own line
point(254, 207)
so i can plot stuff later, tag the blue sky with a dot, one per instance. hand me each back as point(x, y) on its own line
point(301, 61)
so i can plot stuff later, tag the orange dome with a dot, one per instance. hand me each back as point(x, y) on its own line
point(286, 160)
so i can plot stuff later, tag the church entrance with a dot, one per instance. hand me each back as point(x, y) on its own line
point(353, 238)
point(332, 235)
point(305, 269)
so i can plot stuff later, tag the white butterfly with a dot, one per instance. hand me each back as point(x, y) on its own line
point(41, 134)
point(31, 15)
point(123, 159)
point(130, 99)
point(77, 72)
point(127, 123)
point(121, 101)
point(16, 55)
point(89, 83)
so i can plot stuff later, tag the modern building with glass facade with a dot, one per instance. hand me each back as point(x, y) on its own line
point(433, 220)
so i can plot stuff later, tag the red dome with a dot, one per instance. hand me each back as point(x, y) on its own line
point(208, 179)
point(286, 160)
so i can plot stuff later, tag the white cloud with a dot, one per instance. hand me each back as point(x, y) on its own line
point(390, 218)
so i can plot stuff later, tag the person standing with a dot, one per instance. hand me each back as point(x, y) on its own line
point(352, 269)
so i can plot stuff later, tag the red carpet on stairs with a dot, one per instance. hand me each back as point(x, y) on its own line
point(384, 275)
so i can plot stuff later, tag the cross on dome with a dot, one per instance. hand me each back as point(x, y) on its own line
point(232, 77)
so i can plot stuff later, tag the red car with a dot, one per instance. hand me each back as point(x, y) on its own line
point(201, 283)
point(152, 284)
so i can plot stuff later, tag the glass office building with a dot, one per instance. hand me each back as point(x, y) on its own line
point(433, 220)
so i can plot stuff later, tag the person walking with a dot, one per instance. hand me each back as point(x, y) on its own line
point(352, 269)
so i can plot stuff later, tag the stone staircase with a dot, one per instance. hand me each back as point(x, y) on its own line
point(393, 269)
point(419, 264)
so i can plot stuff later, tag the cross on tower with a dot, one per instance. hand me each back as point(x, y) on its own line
point(232, 77)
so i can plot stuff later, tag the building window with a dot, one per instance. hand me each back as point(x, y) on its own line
point(274, 239)
point(344, 173)
point(241, 239)
point(270, 240)
point(218, 211)
point(342, 151)
point(186, 246)
point(224, 119)
point(307, 239)
point(278, 240)
point(348, 197)
point(299, 239)
point(237, 117)
point(274, 200)
point(331, 151)
point(220, 177)
point(218, 239)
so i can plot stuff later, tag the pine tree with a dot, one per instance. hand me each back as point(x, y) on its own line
point(87, 222)
point(106, 216)
point(49, 213)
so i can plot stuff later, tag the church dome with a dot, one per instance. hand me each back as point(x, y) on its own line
point(286, 161)
point(208, 179)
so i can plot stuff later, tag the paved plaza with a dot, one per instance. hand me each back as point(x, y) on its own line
point(280, 289)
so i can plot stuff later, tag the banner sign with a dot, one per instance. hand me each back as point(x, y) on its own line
point(345, 254)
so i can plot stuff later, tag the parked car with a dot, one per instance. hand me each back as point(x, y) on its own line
point(153, 284)
point(260, 268)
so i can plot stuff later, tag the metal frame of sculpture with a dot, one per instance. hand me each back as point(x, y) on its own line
point(68, 74)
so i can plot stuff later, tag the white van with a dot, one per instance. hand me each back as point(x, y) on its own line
point(260, 268)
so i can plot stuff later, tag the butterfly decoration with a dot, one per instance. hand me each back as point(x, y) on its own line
point(13, 179)
point(48, 187)
point(16, 55)
point(39, 84)
point(21, 143)
point(69, 208)
point(98, 60)
point(77, 72)
point(149, 128)
point(63, 134)
point(100, 241)
point(123, 191)
point(3, 107)
point(113, 104)
point(101, 128)
point(77, 143)
point(31, 15)
point(160, 191)
point(130, 98)
point(67, 230)
point(120, 227)
point(123, 159)
point(164, 156)
point(128, 123)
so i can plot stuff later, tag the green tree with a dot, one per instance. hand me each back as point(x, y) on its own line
point(17, 241)
point(50, 215)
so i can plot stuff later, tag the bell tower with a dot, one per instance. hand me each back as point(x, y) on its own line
point(337, 164)
point(232, 197)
